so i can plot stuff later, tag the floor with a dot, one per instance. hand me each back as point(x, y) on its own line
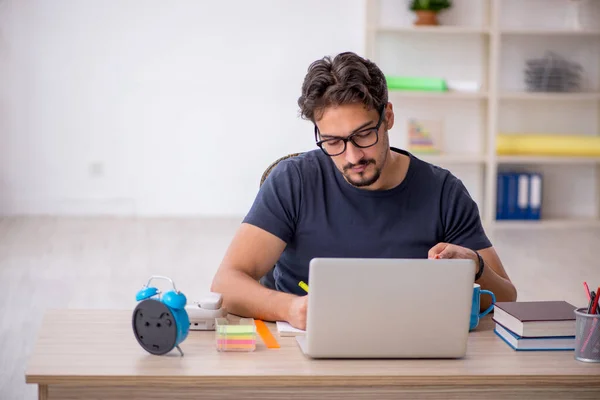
point(102, 262)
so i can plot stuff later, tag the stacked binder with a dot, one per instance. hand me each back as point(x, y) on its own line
point(519, 196)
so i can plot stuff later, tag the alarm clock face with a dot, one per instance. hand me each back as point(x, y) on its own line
point(154, 327)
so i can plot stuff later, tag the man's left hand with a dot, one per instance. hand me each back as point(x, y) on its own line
point(447, 250)
point(495, 279)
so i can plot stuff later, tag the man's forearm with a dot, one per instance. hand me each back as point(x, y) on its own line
point(244, 296)
point(502, 288)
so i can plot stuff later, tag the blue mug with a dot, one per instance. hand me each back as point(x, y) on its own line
point(475, 314)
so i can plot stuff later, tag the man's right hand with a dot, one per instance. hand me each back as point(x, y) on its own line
point(297, 312)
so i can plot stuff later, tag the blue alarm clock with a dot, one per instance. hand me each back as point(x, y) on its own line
point(160, 323)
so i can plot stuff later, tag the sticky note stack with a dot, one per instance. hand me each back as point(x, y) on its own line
point(235, 337)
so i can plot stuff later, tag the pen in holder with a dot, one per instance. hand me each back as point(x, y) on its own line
point(587, 336)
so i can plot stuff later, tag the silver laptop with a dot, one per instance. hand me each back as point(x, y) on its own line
point(388, 308)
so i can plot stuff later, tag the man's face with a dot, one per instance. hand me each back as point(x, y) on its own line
point(361, 165)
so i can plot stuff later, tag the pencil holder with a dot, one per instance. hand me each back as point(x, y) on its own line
point(235, 337)
point(587, 336)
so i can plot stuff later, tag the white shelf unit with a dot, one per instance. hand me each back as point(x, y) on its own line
point(437, 95)
point(528, 96)
point(445, 159)
point(446, 30)
point(489, 41)
point(547, 160)
point(569, 223)
point(549, 32)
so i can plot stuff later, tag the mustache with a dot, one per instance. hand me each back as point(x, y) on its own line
point(360, 163)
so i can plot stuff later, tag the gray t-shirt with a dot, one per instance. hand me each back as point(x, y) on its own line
point(307, 203)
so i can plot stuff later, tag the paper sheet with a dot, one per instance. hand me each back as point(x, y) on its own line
point(285, 329)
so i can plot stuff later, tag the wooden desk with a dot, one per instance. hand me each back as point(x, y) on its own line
point(93, 355)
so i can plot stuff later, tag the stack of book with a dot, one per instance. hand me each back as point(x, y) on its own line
point(536, 325)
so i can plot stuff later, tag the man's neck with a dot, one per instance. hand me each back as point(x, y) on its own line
point(394, 171)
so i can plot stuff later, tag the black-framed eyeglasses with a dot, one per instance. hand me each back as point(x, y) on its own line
point(363, 138)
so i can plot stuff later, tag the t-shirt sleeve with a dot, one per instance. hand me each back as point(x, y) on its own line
point(461, 219)
point(277, 204)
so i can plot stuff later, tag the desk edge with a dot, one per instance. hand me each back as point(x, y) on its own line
point(331, 380)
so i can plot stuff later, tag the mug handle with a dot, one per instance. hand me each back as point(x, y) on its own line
point(486, 312)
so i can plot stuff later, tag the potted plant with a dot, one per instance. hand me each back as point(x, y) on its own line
point(427, 10)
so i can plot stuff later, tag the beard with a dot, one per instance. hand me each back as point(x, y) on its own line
point(364, 178)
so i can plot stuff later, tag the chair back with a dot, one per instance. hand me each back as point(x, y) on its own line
point(273, 165)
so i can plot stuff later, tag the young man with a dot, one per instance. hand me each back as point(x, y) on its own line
point(353, 196)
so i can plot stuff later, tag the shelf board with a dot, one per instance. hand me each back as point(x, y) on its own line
point(558, 223)
point(440, 29)
point(549, 32)
point(545, 96)
point(415, 94)
point(452, 158)
point(546, 160)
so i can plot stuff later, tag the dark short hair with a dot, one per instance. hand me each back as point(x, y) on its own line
point(346, 79)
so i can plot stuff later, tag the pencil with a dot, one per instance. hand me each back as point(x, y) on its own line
point(595, 304)
point(587, 290)
point(303, 286)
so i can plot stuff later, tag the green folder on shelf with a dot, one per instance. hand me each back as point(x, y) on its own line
point(416, 83)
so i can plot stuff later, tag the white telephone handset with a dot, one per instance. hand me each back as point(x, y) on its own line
point(202, 313)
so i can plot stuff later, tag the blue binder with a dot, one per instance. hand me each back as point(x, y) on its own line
point(512, 194)
point(500, 197)
point(503, 196)
point(522, 209)
point(535, 196)
point(519, 196)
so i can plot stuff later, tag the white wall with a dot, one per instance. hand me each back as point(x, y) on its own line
point(138, 107)
point(155, 108)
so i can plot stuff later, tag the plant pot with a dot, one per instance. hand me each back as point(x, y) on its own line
point(426, 17)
